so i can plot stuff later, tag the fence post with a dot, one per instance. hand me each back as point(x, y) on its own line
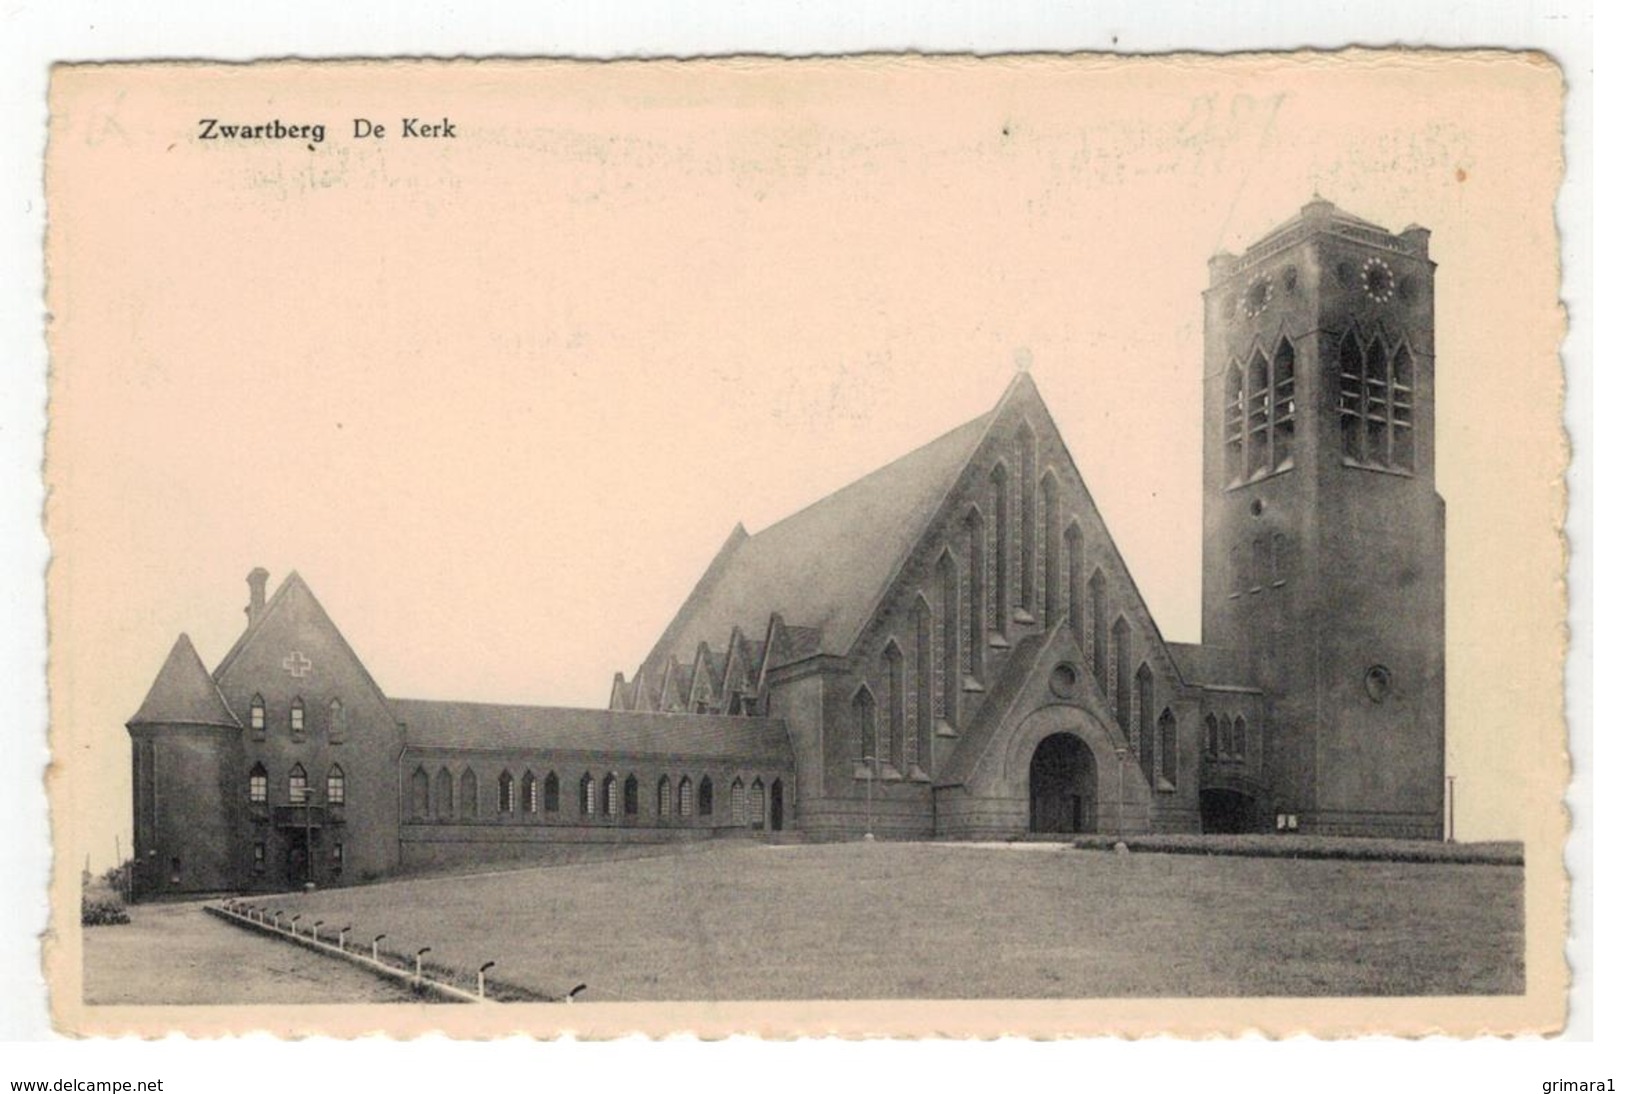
point(483, 967)
point(375, 942)
point(314, 937)
point(421, 952)
point(293, 924)
point(342, 932)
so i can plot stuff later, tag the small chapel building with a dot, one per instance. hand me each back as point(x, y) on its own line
point(949, 648)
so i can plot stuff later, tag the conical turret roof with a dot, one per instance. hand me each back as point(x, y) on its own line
point(184, 693)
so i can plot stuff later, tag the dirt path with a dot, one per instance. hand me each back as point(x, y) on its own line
point(178, 954)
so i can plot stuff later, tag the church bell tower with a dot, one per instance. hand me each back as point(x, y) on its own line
point(1323, 535)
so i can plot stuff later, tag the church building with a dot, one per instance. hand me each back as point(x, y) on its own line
point(949, 648)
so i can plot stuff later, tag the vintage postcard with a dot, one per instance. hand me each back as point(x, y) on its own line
point(895, 545)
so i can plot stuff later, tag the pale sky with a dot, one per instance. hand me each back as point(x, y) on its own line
point(500, 398)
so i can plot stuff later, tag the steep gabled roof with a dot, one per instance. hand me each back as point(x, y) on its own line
point(452, 725)
point(825, 566)
point(293, 591)
point(184, 693)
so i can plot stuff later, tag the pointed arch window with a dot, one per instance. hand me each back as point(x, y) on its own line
point(527, 794)
point(908, 750)
point(1260, 414)
point(1226, 735)
point(1284, 430)
point(863, 727)
point(888, 741)
point(976, 593)
point(612, 796)
point(256, 717)
point(706, 796)
point(1001, 549)
point(1075, 609)
point(685, 798)
point(258, 784)
point(1235, 424)
point(550, 793)
point(1050, 564)
point(1403, 456)
point(420, 794)
point(758, 805)
point(948, 681)
point(1239, 742)
point(736, 802)
point(1168, 747)
point(504, 792)
point(335, 722)
point(1028, 531)
point(296, 719)
point(1097, 624)
point(587, 797)
point(442, 795)
point(335, 785)
point(1212, 735)
point(663, 796)
point(1261, 564)
point(1376, 404)
point(1350, 396)
point(468, 793)
point(1278, 559)
point(1148, 739)
point(296, 785)
point(631, 795)
point(1123, 686)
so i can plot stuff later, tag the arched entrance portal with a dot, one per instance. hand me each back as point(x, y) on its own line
point(1061, 786)
point(1228, 811)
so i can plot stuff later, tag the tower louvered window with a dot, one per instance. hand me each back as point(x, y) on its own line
point(1260, 414)
point(1376, 404)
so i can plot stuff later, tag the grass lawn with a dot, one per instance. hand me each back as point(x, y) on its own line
point(920, 920)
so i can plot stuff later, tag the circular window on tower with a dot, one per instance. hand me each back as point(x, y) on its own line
point(1063, 680)
point(1379, 682)
point(1378, 280)
point(1259, 292)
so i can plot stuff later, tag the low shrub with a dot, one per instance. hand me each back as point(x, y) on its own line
point(101, 913)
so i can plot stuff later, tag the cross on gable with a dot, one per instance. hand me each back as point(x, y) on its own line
point(296, 663)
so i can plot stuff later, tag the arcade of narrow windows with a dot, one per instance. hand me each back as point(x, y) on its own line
point(1260, 414)
point(1375, 402)
point(1009, 569)
point(610, 798)
point(1226, 737)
